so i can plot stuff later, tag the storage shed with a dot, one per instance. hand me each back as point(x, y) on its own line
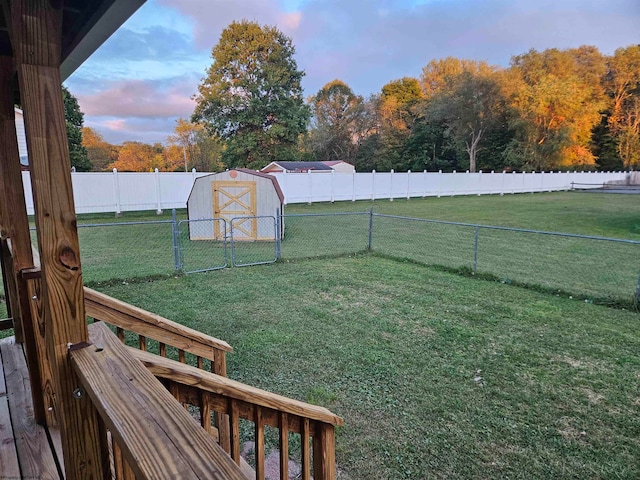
point(234, 194)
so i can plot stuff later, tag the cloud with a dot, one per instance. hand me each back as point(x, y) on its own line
point(212, 16)
point(369, 43)
point(153, 43)
point(139, 98)
point(119, 130)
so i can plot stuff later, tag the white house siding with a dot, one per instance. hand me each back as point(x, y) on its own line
point(343, 167)
point(22, 138)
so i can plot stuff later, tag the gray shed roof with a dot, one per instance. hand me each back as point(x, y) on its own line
point(304, 166)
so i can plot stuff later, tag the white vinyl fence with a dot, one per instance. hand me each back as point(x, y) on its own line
point(120, 192)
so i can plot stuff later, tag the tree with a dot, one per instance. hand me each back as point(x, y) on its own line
point(559, 98)
point(336, 122)
point(469, 109)
point(200, 149)
point(99, 152)
point(437, 75)
point(74, 119)
point(623, 85)
point(252, 97)
point(135, 157)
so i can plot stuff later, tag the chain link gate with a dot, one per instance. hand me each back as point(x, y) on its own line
point(254, 240)
point(202, 245)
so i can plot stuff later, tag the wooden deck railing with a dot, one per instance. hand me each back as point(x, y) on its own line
point(146, 327)
point(203, 392)
point(197, 380)
point(144, 432)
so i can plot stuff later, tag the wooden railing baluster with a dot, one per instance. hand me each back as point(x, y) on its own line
point(142, 342)
point(120, 333)
point(162, 349)
point(200, 361)
point(304, 441)
point(181, 357)
point(205, 411)
point(284, 446)
point(259, 443)
point(234, 418)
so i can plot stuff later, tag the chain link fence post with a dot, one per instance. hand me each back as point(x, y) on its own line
point(278, 234)
point(370, 244)
point(176, 249)
point(475, 250)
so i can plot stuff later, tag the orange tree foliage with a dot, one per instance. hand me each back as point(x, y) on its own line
point(100, 152)
point(142, 157)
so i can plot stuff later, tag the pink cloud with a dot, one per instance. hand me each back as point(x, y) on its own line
point(141, 98)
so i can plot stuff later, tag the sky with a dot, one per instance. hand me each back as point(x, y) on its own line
point(143, 78)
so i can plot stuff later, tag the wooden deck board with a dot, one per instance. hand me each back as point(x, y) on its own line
point(8, 454)
point(31, 442)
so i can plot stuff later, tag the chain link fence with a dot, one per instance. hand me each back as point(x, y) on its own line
point(254, 240)
point(586, 266)
point(201, 245)
point(125, 250)
point(324, 235)
point(601, 269)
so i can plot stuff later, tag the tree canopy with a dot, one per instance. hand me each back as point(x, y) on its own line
point(336, 122)
point(74, 119)
point(251, 96)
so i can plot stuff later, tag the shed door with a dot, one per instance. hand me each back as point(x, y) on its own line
point(236, 199)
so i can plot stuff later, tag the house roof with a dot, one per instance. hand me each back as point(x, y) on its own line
point(303, 165)
point(86, 24)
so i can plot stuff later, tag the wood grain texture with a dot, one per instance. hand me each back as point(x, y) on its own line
point(158, 438)
point(8, 453)
point(324, 457)
point(128, 317)
point(36, 37)
point(304, 447)
point(32, 445)
point(259, 444)
point(34, 293)
point(13, 213)
point(284, 447)
point(188, 375)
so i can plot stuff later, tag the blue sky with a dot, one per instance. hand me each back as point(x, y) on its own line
point(142, 79)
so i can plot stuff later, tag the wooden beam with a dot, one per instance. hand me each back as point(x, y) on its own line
point(16, 226)
point(36, 39)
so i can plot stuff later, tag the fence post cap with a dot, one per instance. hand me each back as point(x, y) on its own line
point(115, 170)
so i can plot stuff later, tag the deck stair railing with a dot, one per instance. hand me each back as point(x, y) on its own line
point(197, 380)
point(208, 394)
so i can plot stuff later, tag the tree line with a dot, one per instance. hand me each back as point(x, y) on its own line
point(554, 109)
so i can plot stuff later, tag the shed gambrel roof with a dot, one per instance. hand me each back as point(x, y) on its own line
point(248, 171)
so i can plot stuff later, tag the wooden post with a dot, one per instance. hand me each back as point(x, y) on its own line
point(36, 27)
point(15, 225)
point(324, 456)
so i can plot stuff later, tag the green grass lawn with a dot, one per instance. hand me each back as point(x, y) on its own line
point(436, 375)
